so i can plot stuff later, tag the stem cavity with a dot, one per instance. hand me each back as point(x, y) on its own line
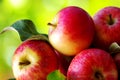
point(110, 20)
point(50, 24)
point(98, 76)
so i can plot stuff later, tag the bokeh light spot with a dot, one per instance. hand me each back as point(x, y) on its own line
point(17, 3)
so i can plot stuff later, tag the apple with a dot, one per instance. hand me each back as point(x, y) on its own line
point(117, 61)
point(34, 59)
point(92, 64)
point(107, 27)
point(71, 31)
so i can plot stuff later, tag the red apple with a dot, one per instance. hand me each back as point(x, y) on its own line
point(71, 30)
point(34, 59)
point(107, 27)
point(92, 64)
point(117, 61)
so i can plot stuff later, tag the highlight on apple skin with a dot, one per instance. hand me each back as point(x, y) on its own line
point(71, 31)
point(92, 64)
point(34, 59)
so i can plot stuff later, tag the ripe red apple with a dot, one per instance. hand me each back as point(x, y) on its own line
point(71, 30)
point(107, 27)
point(92, 64)
point(117, 61)
point(34, 59)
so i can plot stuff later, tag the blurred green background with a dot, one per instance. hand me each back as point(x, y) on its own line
point(40, 12)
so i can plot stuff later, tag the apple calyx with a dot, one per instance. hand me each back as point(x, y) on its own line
point(98, 76)
point(24, 63)
point(110, 20)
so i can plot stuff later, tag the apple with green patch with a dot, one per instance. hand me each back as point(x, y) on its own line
point(71, 31)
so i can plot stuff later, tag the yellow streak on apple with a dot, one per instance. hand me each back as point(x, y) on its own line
point(68, 48)
point(27, 54)
point(54, 38)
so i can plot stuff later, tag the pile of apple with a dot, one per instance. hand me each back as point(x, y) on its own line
point(77, 45)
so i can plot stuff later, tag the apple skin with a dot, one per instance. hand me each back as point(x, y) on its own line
point(71, 31)
point(107, 27)
point(92, 64)
point(34, 59)
point(117, 61)
point(64, 62)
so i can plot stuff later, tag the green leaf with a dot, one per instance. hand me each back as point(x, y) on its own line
point(12, 79)
point(25, 28)
point(56, 75)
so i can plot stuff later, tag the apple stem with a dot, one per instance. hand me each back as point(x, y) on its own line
point(111, 21)
point(50, 24)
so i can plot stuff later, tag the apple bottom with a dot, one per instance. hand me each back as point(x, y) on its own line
point(92, 64)
point(34, 60)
